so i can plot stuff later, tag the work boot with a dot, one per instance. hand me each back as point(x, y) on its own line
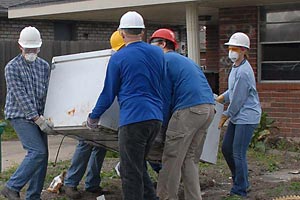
point(98, 190)
point(72, 192)
point(10, 194)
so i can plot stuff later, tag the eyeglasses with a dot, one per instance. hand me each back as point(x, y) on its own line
point(156, 40)
point(236, 49)
point(31, 50)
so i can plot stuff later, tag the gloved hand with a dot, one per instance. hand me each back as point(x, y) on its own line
point(222, 121)
point(44, 124)
point(92, 124)
point(220, 99)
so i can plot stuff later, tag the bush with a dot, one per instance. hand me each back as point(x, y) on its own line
point(262, 132)
point(8, 133)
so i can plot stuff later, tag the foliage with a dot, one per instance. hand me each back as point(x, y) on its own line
point(262, 132)
point(112, 154)
point(269, 162)
point(284, 144)
point(4, 175)
point(291, 188)
point(234, 197)
point(8, 133)
point(294, 186)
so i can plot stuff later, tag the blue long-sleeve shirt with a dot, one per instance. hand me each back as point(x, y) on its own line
point(187, 83)
point(134, 74)
point(244, 106)
point(27, 84)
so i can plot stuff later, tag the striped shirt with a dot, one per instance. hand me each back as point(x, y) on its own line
point(27, 85)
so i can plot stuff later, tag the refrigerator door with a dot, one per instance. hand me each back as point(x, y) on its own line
point(75, 84)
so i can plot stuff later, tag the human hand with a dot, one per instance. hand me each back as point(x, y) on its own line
point(222, 121)
point(220, 99)
point(44, 124)
point(92, 124)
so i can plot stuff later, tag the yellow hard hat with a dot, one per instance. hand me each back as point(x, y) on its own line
point(116, 41)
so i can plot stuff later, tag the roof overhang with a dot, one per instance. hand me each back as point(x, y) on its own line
point(167, 11)
point(154, 11)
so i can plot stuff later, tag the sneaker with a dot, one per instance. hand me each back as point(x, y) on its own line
point(10, 194)
point(72, 192)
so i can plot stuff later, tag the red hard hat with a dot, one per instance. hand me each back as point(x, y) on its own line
point(165, 34)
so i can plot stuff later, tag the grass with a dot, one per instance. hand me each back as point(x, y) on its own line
point(4, 176)
point(292, 188)
point(265, 160)
point(268, 161)
point(235, 197)
point(8, 133)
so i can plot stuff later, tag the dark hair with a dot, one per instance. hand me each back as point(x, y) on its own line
point(158, 40)
point(133, 31)
point(169, 44)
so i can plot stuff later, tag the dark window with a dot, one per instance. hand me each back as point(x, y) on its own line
point(64, 31)
point(280, 43)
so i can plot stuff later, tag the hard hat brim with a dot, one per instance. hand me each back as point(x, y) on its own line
point(31, 46)
point(234, 44)
point(125, 27)
point(117, 48)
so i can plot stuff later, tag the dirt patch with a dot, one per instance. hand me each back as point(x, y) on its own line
point(215, 179)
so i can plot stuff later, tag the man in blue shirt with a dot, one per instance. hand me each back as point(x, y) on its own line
point(134, 74)
point(244, 112)
point(189, 102)
point(27, 81)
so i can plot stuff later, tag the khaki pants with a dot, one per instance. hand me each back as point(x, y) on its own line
point(183, 146)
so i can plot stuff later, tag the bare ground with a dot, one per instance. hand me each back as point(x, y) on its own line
point(215, 179)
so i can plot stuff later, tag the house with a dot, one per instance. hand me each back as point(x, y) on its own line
point(272, 25)
point(60, 36)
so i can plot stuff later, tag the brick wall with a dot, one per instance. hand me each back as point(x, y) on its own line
point(279, 100)
point(10, 29)
point(232, 20)
point(87, 31)
point(212, 47)
point(96, 31)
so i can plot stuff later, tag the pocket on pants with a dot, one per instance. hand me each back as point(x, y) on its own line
point(199, 111)
point(173, 134)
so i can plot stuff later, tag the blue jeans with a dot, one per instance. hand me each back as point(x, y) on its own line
point(88, 157)
point(33, 168)
point(134, 144)
point(234, 148)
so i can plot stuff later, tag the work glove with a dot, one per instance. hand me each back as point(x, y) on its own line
point(92, 124)
point(220, 99)
point(222, 121)
point(45, 125)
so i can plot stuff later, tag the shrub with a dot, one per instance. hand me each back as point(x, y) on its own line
point(262, 132)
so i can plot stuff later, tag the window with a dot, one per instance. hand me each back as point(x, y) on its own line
point(280, 43)
point(64, 31)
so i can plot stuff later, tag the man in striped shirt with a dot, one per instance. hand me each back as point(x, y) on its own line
point(27, 81)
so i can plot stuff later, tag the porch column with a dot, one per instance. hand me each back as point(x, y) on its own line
point(192, 29)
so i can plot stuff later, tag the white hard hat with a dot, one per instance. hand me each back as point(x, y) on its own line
point(131, 19)
point(30, 38)
point(239, 39)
